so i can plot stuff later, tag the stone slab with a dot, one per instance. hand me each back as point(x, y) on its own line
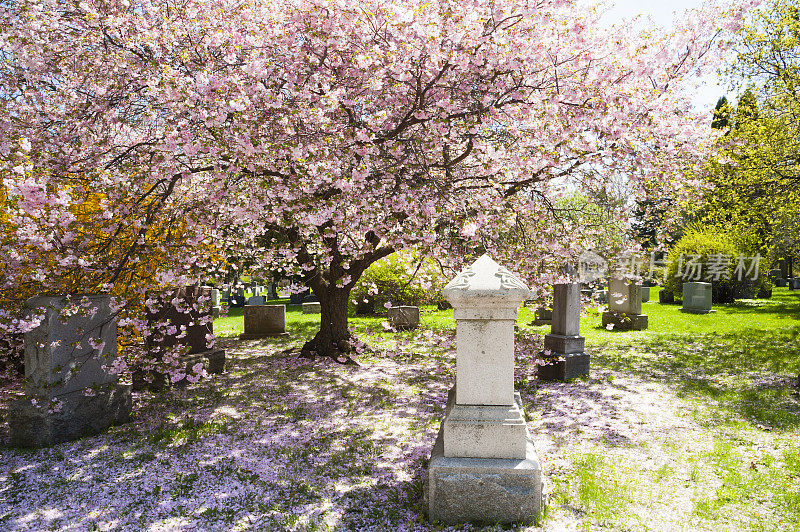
point(565, 367)
point(625, 322)
point(485, 361)
point(477, 431)
point(624, 296)
point(666, 296)
point(213, 360)
point(264, 321)
point(564, 344)
point(697, 298)
point(793, 284)
point(645, 294)
point(256, 300)
point(483, 490)
point(566, 309)
point(403, 317)
point(32, 426)
point(312, 307)
point(58, 356)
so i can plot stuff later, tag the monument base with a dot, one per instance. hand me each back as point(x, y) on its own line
point(625, 322)
point(537, 322)
point(559, 343)
point(213, 361)
point(258, 336)
point(697, 310)
point(483, 490)
point(79, 415)
point(563, 367)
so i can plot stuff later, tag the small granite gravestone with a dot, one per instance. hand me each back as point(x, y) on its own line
point(697, 298)
point(625, 306)
point(666, 296)
point(183, 309)
point(403, 317)
point(264, 321)
point(236, 298)
point(781, 283)
point(483, 466)
point(67, 353)
point(256, 300)
point(567, 359)
point(312, 308)
point(297, 298)
point(543, 316)
point(645, 294)
point(775, 274)
point(794, 284)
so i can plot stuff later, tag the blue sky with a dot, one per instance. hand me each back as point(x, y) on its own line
point(663, 13)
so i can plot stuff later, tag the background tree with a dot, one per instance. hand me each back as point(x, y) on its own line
point(756, 177)
point(348, 130)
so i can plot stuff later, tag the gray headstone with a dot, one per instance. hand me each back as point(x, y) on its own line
point(697, 298)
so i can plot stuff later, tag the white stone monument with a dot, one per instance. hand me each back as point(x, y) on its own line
point(624, 306)
point(564, 341)
point(215, 306)
point(697, 298)
point(483, 466)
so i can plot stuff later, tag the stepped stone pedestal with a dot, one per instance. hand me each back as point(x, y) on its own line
point(567, 359)
point(64, 355)
point(697, 298)
point(483, 467)
point(624, 306)
point(264, 321)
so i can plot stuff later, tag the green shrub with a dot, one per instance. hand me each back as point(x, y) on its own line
point(714, 250)
point(400, 279)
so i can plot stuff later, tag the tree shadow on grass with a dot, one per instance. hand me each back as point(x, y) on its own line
point(751, 373)
point(276, 442)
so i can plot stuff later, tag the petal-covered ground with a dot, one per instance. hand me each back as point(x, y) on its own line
point(280, 442)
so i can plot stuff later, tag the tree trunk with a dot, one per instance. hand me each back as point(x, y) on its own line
point(333, 338)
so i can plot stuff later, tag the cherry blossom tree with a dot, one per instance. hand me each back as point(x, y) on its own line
point(322, 135)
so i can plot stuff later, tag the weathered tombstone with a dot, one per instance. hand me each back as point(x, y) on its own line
point(403, 317)
point(625, 306)
point(794, 284)
point(666, 296)
point(264, 321)
point(256, 300)
point(296, 298)
point(645, 293)
point(64, 355)
point(236, 298)
point(193, 325)
point(483, 466)
point(568, 359)
point(225, 295)
point(775, 274)
point(764, 292)
point(312, 308)
point(543, 316)
point(697, 298)
point(781, 283)
point(310, 297)
point(602, 296)
point(215, 308)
